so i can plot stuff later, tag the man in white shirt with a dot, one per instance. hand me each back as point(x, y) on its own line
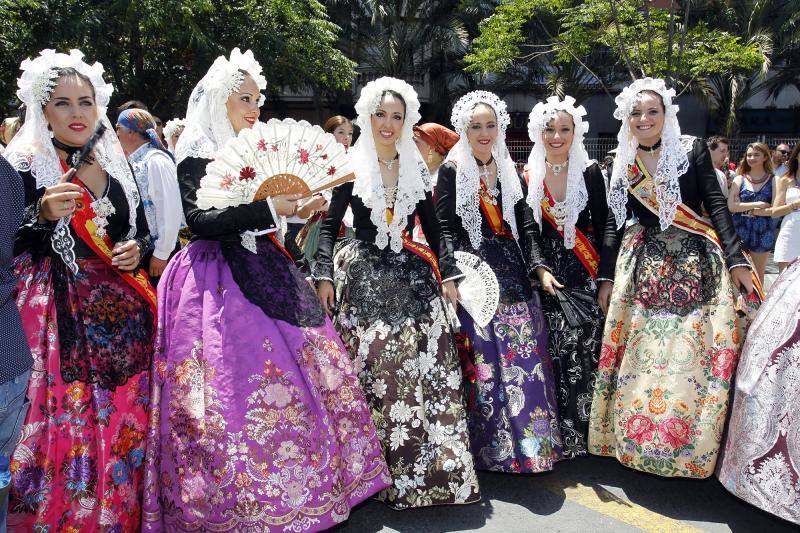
point(157, 178)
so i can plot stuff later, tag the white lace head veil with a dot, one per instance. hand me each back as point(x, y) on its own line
point(207, 125)
point(467, 172)
point(414, 180)
point(672, 163)
point(32, 148)
point(171, 128)
point(577, 196)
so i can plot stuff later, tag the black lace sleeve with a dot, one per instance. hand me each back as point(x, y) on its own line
point(598, 204)
point(716, 204)
point(442, 247)
point(218, 224)
point(32, 236)
point(329, 232)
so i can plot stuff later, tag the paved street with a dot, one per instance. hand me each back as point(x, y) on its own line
point(584, 495)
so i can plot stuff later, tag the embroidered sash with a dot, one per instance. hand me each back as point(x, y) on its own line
point(584, 250)
point(417, 248)
point(86, 229)
point(493, 214)
point(642, 188)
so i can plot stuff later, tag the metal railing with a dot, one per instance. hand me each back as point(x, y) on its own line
point(598, 147)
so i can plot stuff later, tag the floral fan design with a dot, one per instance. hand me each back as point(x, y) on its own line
point(270, 159)
point(479, 291)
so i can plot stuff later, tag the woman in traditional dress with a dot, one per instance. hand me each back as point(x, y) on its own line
point(87, 309)
point(761, 463)
point(434, 141)
point(752, 193)
point(669, 284)
point(258, 421)
point(480, 202)
point(384, 293)
point(313, 211)
point(567, 190)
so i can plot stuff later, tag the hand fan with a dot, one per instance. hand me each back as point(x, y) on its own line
point(479, 291)
point(273, 158)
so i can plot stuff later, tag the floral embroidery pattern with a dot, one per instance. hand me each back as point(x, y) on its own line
point(393, 323)
point(256, 425)
point(668, 353)
point(762, 452)
point(79, 461)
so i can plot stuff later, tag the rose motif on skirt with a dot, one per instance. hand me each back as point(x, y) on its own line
point(675, 431)
point(722, 363)
point(640, 429)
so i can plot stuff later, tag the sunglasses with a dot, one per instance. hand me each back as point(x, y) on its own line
point(784, 152)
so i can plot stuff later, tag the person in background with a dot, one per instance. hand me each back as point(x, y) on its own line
point(312, 212)
point(15, 355)
point(780, 155)
point(434, 141)
point(156, 175)
point(8, 128)
point(160, 129)
point(786, 205)
point(752, 194)
point(172, 132)
point(719, 148)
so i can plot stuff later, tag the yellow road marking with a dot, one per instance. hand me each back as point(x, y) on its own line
point(607, 503)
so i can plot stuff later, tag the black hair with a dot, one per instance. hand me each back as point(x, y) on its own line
point(396, 95)
point(69, 72)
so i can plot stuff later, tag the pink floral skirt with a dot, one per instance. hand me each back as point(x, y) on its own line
point(80, 461)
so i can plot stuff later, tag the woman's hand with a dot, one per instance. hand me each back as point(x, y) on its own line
point(326, 295)
point(58, 201)
point(126, 255)
point(604, 295)
point(311, 205)
point(548, 281)
point(285, 204)
point(743, 279)
point(450, 293)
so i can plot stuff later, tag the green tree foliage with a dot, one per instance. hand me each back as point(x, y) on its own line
point(156, 50)
point(631, 37)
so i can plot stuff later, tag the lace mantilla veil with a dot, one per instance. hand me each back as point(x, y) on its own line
point(576, 197)
point(31, 149)
point(414, 180)
point(672, 163)
point(467, 172)
point(207, 127)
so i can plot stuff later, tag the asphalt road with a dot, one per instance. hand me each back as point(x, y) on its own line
point(583, 495)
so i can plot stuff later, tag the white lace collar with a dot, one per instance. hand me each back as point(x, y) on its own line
point(672, 163)
point(414, 180)
point(467, 172)
point(576, 196)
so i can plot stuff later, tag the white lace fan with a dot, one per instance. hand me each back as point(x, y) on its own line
point(479, 291)
point(273, 158)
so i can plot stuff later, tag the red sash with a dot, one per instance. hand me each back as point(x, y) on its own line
point(85, 228)
point(417, 248)
point(584, 250)
point(493, 214)
point(642, 188)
